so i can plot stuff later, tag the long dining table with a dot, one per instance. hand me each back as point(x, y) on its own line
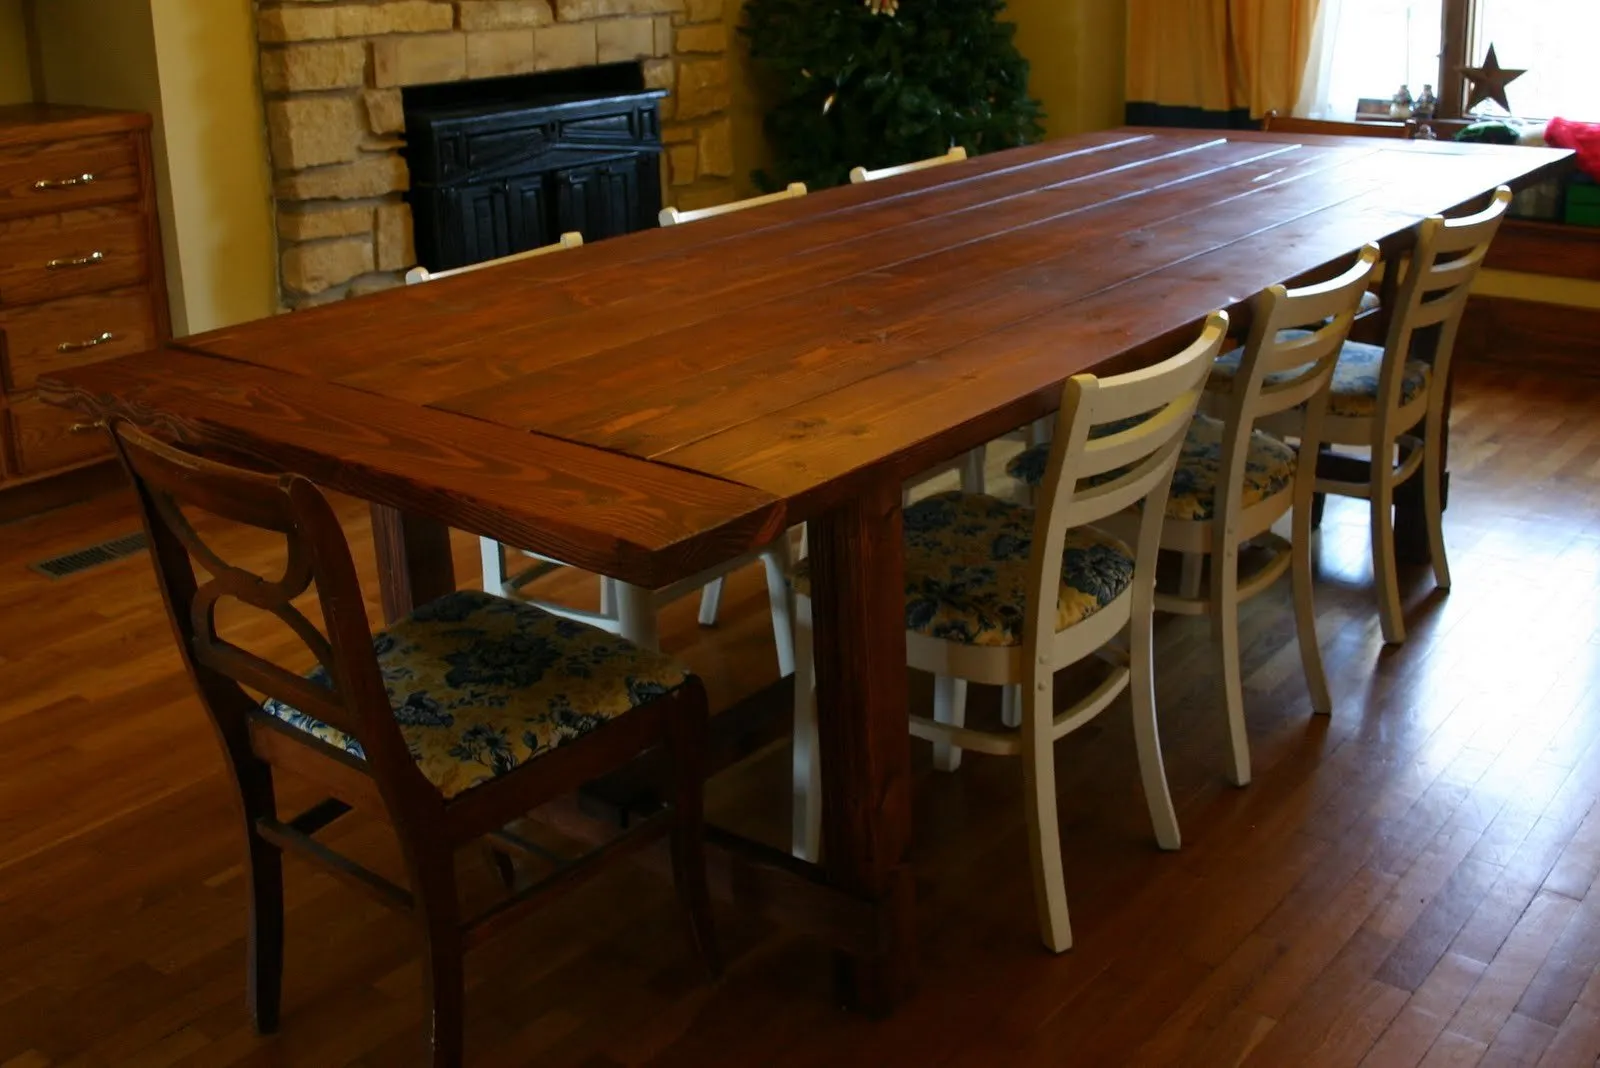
point(648, 406)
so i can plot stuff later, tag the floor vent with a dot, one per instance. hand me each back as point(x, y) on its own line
point(58, 567)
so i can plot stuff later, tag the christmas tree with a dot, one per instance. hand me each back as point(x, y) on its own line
point(882, 82)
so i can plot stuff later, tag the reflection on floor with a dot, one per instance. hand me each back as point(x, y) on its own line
point(1413, 880)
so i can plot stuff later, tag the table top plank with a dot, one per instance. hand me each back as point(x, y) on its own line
point(586, 348)
point(1026, 263)
point(642, 522)
point(957, 397)
point(543, 313)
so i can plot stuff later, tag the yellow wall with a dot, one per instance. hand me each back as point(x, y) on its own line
point(191, 64)
point(16, 83)
point(217, 159)
point(1076, 51)
point(749, 140)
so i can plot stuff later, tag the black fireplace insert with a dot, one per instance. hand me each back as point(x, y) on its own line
point(503, 165)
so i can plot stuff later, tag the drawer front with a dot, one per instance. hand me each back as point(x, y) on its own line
point(43, 257)
point(61, 175)
point(42, 438)
point(66, 333)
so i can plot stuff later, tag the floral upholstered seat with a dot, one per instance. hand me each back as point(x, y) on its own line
point(966, 570)
point(481, 685)
point(1269, 468)
point(1354, 393)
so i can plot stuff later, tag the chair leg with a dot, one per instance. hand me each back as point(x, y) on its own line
point(1225, 633)
point(264, 982)
point(1011, 706)
point(1189, 578)
point(1384, 570)
point(949, 707)
point(636, 616)
point(445, 949)
point(1305, 613)
point(494, 566)
point(972, 473)
point(776, 562)
point(1433, 496)
point(686, 740)
point(1039, 431)
point(608, 597)
point(1146, 733)
point(710, 602)
point(806, 770)
point(1044, 836)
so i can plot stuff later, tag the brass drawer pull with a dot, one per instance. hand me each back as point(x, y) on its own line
point(76, 261)
point(88, 343)
point(63, 183)
point(86, 428)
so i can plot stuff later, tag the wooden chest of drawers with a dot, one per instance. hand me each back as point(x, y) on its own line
point(81, 280)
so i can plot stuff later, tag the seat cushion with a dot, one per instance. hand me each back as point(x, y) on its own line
point(1354, 393)
point(481, 685)
point(966, 570)
point(1268, 470)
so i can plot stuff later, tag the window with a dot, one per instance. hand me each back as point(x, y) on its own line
point(1380, 45)
point(1372, 47)
point(1554, 40)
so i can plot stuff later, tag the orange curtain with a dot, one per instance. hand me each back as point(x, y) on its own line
point(1238, 57)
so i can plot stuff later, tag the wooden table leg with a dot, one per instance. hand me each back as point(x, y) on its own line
point(414, 564)
point(860, 649)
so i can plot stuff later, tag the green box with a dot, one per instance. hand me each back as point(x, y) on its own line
point(1583, 201)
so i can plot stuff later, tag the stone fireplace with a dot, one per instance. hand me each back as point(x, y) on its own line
point(333, 72)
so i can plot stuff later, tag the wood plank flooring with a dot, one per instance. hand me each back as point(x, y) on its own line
point(1411, 882)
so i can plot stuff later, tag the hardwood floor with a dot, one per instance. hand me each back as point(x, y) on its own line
point(1410, 882)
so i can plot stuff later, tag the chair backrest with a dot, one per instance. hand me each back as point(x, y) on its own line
point(672, 216)
point(168, 480)
point(1395, 128)
point(1433, 291)
point(570, 239)
point(861, 174)
point(1281, 368)
point(1116, 443)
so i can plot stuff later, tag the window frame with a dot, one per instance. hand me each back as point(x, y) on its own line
point(1455, 42)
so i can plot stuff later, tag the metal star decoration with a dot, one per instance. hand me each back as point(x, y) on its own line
point(1489, 81)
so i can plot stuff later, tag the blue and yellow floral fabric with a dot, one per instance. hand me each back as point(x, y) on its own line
point(966, 570)
point(1269, 469)
point(1354, 392)
point(481, 685)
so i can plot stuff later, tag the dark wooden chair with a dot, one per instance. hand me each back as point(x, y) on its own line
point(450, 724)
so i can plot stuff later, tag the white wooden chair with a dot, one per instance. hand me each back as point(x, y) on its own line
point(1381, 397)
point(1235, 481)
point(672, 216)
point(861, 174)
point(1039, 590)
point(711, 595)
point(630, 610)
point(570, 239)
point(971, 465)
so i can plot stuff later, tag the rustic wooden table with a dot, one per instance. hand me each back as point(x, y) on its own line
point(647, 406)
